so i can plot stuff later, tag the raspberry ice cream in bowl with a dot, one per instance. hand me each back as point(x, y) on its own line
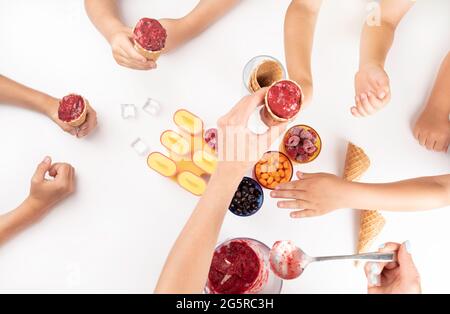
point(149, 38)
point(73, 109)
point(302, 144)
point(241, 266)
point(283, 100)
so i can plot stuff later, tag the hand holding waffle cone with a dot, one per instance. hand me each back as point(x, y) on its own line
point(372, 222)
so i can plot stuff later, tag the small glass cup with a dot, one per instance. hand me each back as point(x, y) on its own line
point(253, 66)
point(267, 282)
point(318, 144)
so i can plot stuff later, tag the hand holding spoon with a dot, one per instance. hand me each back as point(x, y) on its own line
point(287, 261)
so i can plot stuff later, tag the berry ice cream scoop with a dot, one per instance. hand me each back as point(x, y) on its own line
point(236, 268)
point(73, 109)
point(149, 38)
point(283, 100)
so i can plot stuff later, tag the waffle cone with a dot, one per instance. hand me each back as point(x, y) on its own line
point(150, 55)
point(372, 222)
point(265, 75)
point(82, 118)
point(356, 163)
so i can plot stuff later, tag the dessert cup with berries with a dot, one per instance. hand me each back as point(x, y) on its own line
point(302, 144)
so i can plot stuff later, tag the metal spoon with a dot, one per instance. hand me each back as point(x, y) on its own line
point(287, 261)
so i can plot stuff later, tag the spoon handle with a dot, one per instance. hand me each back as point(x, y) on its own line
point(368, 257)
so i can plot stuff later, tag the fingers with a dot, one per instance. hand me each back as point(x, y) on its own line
point(41, 170)
point(295, 185)
point(306, 213)
point(132, 64)
point(248, 105)
point(289, 194)
point(297, 204)
point(404, 257)
point(429, 143)
point(375, 102)
point(369, 103)
point(60, 171)
point(132, 54)
point(367, 108)
point(89, 124)
point(377, 268)
point(422, 139)
point(374, 270)
point(440, 146)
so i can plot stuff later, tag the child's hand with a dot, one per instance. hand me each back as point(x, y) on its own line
point(399, 277)
point(46, 193)
point(372, 90)
point(124, 53)
point(87, 127)
point(316, 194)
point(432, 130)
point(233, 126)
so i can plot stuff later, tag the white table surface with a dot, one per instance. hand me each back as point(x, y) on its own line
point(114, 234)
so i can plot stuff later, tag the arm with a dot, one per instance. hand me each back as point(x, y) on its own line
point(44, 194)
point(187, 266)
point(299, 26)
point(372, 90)
point(17, 94)
point(197, 21)
point(376, 40)
point(104, 14)
point(320, 193)
point(409, 195)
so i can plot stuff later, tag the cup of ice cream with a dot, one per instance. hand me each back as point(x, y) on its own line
point(242, 266)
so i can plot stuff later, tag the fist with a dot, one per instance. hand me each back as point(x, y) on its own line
point(45, 193)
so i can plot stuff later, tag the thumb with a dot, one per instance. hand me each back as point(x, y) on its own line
point(404, 259)
point(42, 168)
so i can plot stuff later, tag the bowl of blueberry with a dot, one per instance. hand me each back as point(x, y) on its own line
point(248, 198)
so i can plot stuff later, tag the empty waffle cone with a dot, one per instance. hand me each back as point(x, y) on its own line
point(371, 224)
point(356, 163)
point(150, 55)
point(267, 73)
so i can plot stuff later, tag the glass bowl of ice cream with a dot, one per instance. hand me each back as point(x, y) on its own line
point(242, 266)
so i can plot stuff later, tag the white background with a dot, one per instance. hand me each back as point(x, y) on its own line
point(114, 234)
